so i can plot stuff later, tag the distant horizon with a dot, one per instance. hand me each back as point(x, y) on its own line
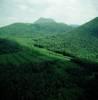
point(44, 18)
point(67, 11)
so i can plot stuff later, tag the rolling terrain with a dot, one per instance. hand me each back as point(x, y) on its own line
point(40, 61)
point(80, 42)
point(27, 74)
point(36, 29)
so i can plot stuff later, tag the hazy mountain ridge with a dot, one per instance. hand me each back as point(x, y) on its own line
point(44, 20)
point(27, 29)
point(81, 41)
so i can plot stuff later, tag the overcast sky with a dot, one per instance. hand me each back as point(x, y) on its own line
point(67, 11)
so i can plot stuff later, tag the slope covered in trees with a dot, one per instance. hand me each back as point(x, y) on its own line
point(34, 73)
point(81, 42)
point(28, 72)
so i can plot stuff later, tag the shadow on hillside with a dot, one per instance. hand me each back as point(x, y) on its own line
point(8, 46)
point(86, 76)
point(38, 81)
point(48, 79)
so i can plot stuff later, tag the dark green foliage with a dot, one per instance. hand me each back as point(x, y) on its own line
point(8, 46)
point(34, 73)
point(64, 53)
point(85, 62)
point(91, 88)
point(39, 46)
point(81, 42)
point(28, 74)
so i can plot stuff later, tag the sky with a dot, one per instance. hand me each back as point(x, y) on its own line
point(67, 11)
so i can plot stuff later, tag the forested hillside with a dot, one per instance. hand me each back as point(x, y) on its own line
point(81, 42)
point(47, 60)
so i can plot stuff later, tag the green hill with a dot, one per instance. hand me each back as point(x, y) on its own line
point(16, 29)
point(46, 25)
point(47, 28)
point(40, 28)
point(81, 42)
point(29, 71)
point(33, 73)
point(39, 74)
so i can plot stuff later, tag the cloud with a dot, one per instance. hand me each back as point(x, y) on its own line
point(23, 7)
point(68, 11)
point(72, 11)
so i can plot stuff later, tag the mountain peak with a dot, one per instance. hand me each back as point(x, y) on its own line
point(44, 20)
